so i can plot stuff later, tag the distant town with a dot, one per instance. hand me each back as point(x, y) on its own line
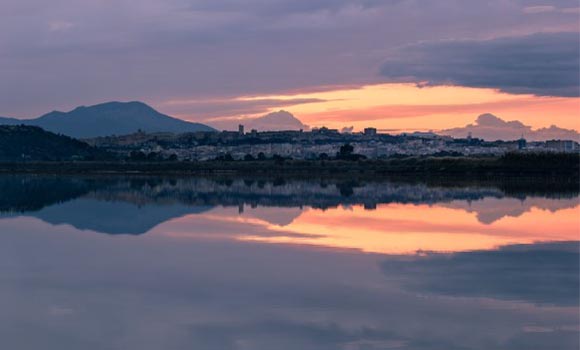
point(134, 131)
point(318, 143)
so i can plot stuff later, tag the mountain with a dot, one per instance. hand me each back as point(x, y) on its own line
point(491, 128)
point(276, 121)
point(23, 142)
point(111, 118)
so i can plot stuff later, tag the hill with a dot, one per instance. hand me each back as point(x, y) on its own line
point(31, 143)
point(111, 118)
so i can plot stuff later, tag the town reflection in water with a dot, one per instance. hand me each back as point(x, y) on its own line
point(174, 263)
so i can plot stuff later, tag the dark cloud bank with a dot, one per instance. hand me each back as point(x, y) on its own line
point(544, 64)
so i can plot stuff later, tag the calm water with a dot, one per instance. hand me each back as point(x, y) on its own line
point(105, 263)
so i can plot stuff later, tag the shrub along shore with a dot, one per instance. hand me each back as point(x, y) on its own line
point(564, 167)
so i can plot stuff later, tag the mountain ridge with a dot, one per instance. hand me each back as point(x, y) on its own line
point(109, 118)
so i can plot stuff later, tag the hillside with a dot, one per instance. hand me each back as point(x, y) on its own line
point(30, 143)
point(111, 118)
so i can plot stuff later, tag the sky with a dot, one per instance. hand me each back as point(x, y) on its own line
point(393, 64)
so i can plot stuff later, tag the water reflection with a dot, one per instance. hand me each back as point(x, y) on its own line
point(104, 204)
point(242, 264)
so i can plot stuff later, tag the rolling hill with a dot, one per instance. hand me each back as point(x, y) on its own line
point(31, 143)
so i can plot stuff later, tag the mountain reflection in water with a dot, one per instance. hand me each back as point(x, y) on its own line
point(224, 264)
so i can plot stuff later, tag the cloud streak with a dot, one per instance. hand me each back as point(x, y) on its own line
point(213, 109)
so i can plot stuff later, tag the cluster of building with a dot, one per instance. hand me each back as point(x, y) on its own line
point(315, 144)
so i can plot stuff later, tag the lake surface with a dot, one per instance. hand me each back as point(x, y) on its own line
point(152, 263)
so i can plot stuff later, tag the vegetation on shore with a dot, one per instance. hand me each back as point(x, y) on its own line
point(562, 166)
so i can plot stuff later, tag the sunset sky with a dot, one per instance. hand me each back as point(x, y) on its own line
point(393, 64)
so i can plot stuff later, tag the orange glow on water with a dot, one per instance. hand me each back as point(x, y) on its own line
point(400, 228)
